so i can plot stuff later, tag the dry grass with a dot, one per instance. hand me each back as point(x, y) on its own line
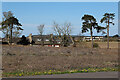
point(102, 44)
point(37, 58)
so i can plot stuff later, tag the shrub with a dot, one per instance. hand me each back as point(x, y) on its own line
point(4, 42)
point(23, 41)
point(74, 45)
point(65, 41)
point(95, 45)
point(116, 35)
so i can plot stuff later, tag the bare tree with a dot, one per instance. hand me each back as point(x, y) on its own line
point(63, 32)
point(67, 29)
point(57, 29)
point(41, 30)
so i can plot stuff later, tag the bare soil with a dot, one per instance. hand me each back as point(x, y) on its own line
point(38, 58)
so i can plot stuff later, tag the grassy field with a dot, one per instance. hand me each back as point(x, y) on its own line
point(35, 60)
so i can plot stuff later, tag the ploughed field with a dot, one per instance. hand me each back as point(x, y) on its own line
point(38, 58)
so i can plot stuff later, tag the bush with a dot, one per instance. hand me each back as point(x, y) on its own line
point(4, 42)
point(23, 41)
point(65, 41)
point(116, 35)
point(95, 45)
point(74, 45)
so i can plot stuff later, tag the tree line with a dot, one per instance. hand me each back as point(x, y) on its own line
point(10, 26)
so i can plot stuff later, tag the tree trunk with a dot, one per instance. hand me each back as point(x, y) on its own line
point(108, 36)
point(11, 34)
point(7, 36)
point(42, 40)
point(92, 38)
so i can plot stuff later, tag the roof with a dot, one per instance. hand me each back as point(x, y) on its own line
point(71, 35)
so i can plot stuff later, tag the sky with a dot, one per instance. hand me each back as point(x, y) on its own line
point(32, 14)
point(60, 0)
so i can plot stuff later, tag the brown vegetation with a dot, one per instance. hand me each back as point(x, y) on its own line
point(37, 58)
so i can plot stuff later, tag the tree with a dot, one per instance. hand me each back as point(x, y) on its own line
point(103, 32)
point(7, 15)
point(63, 32)
point(89, 24)
point(12, 21)
point(66, 34)
point(108, 19)
point(41, 30)
point(23, 41)
point(116, 35)
point(5, 31)
point(17, 32)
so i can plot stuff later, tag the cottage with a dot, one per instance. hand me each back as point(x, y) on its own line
point(48, 40)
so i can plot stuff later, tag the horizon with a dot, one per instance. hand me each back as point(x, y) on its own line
point(32, 14)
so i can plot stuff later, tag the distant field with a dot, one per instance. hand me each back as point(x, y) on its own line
point(102, 44)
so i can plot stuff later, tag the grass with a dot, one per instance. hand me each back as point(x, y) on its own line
point(50, 72)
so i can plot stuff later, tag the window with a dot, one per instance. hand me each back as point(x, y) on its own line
point(38, 39)
point(47, 40)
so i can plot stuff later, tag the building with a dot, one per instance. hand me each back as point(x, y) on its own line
point(55, 41)
point(50, 40)
point(95, 38)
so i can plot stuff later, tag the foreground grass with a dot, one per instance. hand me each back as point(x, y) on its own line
point(50, 72)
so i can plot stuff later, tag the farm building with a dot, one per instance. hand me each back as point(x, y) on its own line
point(49, 40)
point(95, 38)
